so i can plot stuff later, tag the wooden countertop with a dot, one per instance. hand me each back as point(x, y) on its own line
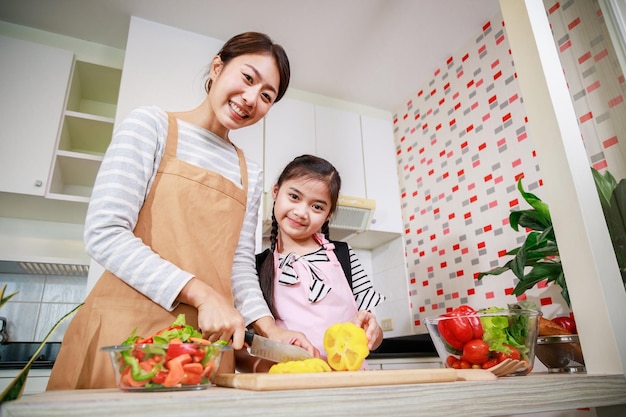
point(532, 393)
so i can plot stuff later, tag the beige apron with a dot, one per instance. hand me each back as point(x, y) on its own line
point(193, 218)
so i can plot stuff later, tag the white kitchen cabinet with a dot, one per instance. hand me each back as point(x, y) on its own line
point(289, 132)
point(338, 139)
point(33, 83)
point(381, 174)
point(35, 383)
point(86, 131)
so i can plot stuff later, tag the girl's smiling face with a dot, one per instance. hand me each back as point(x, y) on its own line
point(243, 90)
point(301, 206)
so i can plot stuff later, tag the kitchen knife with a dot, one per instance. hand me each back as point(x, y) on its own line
point(274, 351)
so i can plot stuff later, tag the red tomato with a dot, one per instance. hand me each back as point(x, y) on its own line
point(191, 379)
point(450, 361)
point(491, 362)
point(567, 323)
point(159, 378)
point(476, 351)
point(513, 353)
point(176, 349)
point(465, 364)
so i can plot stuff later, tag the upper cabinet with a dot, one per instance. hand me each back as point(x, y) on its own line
point(381, 173)
point(289, 132)
point(33, 82)
point(338, 139)
point(86, 131)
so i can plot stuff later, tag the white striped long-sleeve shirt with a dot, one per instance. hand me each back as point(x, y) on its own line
point(125, 177)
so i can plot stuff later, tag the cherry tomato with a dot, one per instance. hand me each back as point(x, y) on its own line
point(512, 353)
point(476, 351)
point(491, 362)
point(465, 364)
point(450, 360)
point(567, 323)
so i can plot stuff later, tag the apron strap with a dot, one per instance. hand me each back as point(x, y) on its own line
point(172, 133)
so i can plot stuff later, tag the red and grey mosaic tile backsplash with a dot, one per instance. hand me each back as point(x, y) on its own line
point(462, 143)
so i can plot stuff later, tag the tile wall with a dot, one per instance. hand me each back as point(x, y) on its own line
point(40, 302)
point(462, 142)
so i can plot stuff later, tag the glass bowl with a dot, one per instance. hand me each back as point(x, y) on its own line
point(493, 337)
point(169, 367)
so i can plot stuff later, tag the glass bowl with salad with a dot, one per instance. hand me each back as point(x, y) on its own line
point(175, 358)
point(482, 339)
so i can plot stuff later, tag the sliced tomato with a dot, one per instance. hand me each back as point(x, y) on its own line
point(193, 368)
point(159, 378)
point(178, 349)
point(175, 374)
point(191, 379)
point(512, 353)
point(128, 381)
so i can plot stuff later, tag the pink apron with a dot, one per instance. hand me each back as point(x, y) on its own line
point(297, 313)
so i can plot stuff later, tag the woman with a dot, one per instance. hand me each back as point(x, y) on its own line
point(172, 219)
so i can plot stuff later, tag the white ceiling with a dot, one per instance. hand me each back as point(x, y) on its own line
point(371, 52)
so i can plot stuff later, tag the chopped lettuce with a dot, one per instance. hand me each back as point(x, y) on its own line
point(501, 330)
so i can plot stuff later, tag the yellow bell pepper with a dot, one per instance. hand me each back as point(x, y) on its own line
point(346, 346)
point(300, 367)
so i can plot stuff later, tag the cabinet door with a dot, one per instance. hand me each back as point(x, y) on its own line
point(289, 132)
point(338, 139)
point(381, 174)
point(164, 66)
point(33, 84)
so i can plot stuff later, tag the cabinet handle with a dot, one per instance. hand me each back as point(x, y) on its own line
point(38, 183)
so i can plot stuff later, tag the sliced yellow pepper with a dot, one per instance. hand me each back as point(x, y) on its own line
point(346, 346)
point(300, 367)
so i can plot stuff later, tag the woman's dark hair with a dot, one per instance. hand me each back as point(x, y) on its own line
point(308, 167)
point(256, 43)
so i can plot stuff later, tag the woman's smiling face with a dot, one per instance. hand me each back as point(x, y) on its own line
point(243, 90)
point(301, 207)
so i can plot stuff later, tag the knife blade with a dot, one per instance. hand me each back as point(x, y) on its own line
point(274, 351)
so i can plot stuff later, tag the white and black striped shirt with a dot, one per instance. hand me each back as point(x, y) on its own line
point(365, 295)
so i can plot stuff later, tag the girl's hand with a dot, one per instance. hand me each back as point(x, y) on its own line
point(266, 326)
point(217, 318)
point(367, 321)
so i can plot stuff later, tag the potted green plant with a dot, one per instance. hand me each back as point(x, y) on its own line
point(539, 252)
point(537, 259)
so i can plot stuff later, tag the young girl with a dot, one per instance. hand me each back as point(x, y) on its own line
point(172, 218)
point(301, 278)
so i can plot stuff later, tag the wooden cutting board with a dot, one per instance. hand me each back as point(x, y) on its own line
point(271, 382)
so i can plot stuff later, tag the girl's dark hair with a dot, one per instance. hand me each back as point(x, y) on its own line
point(256, 43)
point(309, 167)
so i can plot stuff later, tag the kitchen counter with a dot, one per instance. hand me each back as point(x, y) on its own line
point(536, 392)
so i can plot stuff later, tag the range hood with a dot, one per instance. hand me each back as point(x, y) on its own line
point(41, 247)
point(353, 215)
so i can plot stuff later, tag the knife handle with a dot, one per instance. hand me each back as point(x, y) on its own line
point(249, 336)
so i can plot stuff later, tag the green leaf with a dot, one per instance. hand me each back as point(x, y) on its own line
point(15, 389)
point(535, 202)
point(542, 271)
point(4, 299)
point(604, 184)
